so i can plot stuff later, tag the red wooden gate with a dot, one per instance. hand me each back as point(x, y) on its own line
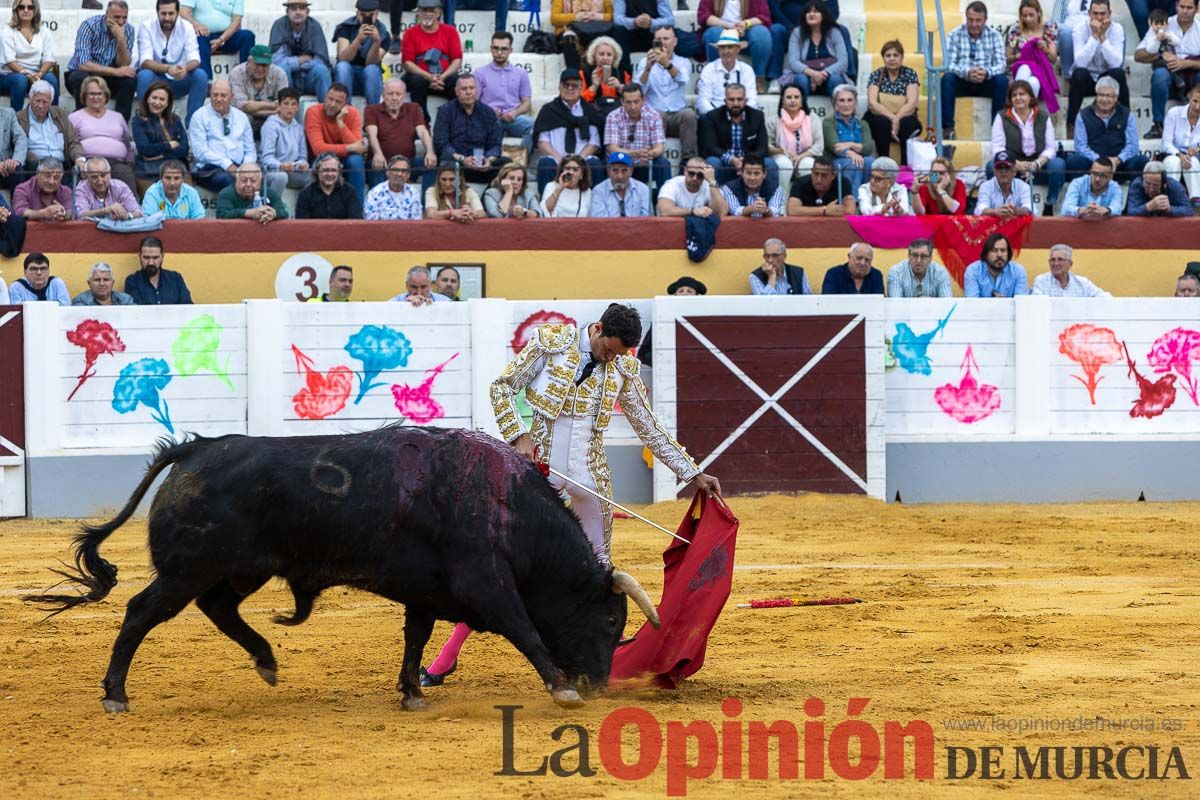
point(12, 413)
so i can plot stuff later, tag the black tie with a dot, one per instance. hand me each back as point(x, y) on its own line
point(588, 368)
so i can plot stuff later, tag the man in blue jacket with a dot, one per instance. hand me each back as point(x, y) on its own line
point(856, 276)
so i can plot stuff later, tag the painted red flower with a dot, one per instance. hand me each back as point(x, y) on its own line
point(322, 395)
point(969, 401)
point(531, 323)
point(1153, 398)
point(97, 339)
point(1091, 347)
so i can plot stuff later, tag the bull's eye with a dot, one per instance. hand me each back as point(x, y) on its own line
point(612, 623)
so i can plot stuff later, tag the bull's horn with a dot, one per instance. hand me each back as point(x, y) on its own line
point(624, 582)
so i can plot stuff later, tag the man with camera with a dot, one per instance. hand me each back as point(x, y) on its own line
point(664, 76)
point(432, 55)
point(361, 43)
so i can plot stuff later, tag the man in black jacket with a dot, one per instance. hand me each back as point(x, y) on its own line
point(776, 276)
point(733, 131)
point(328, 197)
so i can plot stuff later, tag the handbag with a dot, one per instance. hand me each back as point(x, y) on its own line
point(920, 154)
point(820, 63)
point(541, 43)
point(591, 28)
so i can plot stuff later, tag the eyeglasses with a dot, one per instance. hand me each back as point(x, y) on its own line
point(694, 173)
point(96, 94)
point(225, 126)
point(879, 178)
point(26, 8)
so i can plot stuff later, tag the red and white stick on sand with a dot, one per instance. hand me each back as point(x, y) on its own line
point(790, 602)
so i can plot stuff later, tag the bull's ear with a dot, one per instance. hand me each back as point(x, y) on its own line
point(626, 583)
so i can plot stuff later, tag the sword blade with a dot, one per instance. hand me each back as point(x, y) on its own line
point(615, 504)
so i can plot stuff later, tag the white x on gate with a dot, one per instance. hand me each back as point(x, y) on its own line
point(771, 401)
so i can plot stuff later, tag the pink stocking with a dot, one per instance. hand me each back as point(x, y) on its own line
point(449, 655)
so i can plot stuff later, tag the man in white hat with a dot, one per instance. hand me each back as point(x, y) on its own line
point(727, 69)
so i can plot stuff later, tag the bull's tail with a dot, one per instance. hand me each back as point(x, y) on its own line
point(94, 576)
point(304, 597)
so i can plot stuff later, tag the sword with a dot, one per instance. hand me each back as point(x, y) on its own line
point(615, 504)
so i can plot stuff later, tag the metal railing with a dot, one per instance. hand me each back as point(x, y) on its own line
point(933, 72)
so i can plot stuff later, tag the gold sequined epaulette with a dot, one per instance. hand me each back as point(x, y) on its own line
point(628, 366)
point(557, 338)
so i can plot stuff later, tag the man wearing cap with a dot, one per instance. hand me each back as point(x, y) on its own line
point(432, 55)
point(775, 276)
point(621, 195)
point(167, 49)
point(564, 128)
point(636, 130)
point(468, 132)
point(361, 42)
point(1004, 195)
point(727, 69)
point(256, 84)
point(298, 46)
point(218, 25)
point(664, 75)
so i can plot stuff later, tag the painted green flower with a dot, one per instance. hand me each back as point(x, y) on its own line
point(196, 349)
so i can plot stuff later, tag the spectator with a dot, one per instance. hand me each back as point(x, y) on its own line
point(664, 75)
point(727, 69)
point(683, 286)
point(817, 53)
point(102, 195)
point(170, 196)
point(284, 149)
point(942, 192)
point(1099, 52)
point(167, 51)
point(1187, 285)
point(995, 274)
point(1004, 195)
point(821, 193)
point(1178, 70)
point(857, 275)
point(1157, 195)
point(510, 196)
point(48, 131)
point(1109, 130)
point(751, 194)
point(447, 283)
point(393, 126)
point(1181, 142)
point(845, 141)
point(621, 195)
point(336, 127)
point(221, 139)
point(576, 23)
point(341, 284)
point(468, 132)
point(14, 147)
point(1031, 49)
point(328, 197)
point(4, 301)
point(602, 74)
point(432, 55)
point(1159, 41)
point(570, 193)
point(104, 47)
point(892, 102)
point(12, 228)
point(247, 198)
point(637, 131)
point(564, 128)
point(1094, 197)
point(1060, 281)
point(975, 66)
point(100, 290)
point(38, 283)
point(361, 43)
point(44, 197)
point(218, 25)
point(451, 198)
point(636, 23)
point(26, 53)
point(506, 89)
point(1071, 15)
point(692, 194)
point(795, 137)
point(775, 276)
point(395, 198)
point(298, 45)
point(1026, 132)
point(418, 289)
point(158, 134)
point(103, 132)
point(751, 20)
point(882, 196)
point(256, 83)
point(919, 275)
point(733, 131)
point(154, 284)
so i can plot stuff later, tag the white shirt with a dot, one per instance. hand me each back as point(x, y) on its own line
point(1189, 41)
point(732, 13)
point(558, 136)
point(3, 293)
point(1077, 286)
point(677, 192)
point(179, 49)
point(870, 205)
point(30, 55)
point(1099, 57)
point(1151, 44)
point(570, 203)
point(1178, 135)
point(710, 89)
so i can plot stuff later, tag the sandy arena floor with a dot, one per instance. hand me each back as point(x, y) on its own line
point(995, 614)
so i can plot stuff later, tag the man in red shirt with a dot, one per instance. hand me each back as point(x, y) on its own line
point(335, 127)
point(392, 128)
point(432, 55)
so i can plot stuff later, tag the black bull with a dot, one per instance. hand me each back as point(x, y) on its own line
point(453, 524)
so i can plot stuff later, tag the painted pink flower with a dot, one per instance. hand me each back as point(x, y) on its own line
point(530, 324)
point(322, 395)
point(1175, 351)
point(97, 339)
point(1091, 347)
point(417, 404)
point(970, 401)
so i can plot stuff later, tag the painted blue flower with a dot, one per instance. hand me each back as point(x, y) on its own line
point(912, 349)
point(140, 383)
point(379, 348)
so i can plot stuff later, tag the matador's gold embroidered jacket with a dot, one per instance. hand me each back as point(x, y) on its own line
point(546, 368)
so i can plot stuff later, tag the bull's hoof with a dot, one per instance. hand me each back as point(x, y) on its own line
point(414, 704)
point(266, 673)
point(115, 706)
point(567, 698)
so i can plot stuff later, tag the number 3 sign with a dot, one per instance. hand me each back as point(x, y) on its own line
point(302, 277)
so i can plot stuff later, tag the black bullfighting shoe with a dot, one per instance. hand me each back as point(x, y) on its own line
point(430, 679)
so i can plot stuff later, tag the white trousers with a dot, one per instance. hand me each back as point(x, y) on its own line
point(569, 455)
point(1190, 179)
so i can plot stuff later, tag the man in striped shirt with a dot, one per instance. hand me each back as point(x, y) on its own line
point(1061, 282)
point(919, 275)
point(975, 66)
point(103, 47)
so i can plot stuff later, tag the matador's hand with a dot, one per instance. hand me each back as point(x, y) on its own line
point(708, 484)
point(524, 446)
